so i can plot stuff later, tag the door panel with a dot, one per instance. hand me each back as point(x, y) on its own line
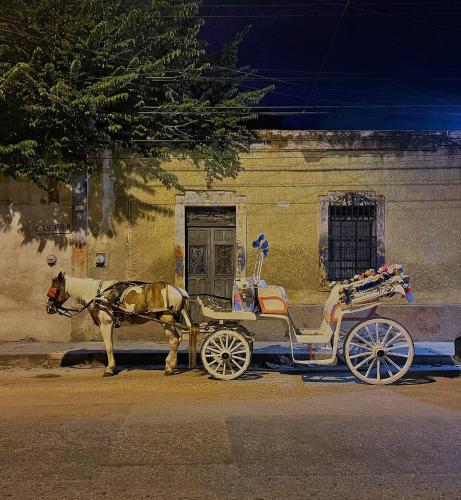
point(198, 260)
point(224, 256)
point(210, 260)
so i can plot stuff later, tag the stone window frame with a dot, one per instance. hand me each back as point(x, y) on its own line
point(210, 199)
point(340, 197)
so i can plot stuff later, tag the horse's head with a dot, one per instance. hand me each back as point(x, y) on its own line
point(57, 294)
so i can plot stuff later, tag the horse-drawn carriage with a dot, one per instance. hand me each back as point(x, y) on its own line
point(376, 350)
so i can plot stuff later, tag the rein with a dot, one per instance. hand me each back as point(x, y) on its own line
point(66, 311)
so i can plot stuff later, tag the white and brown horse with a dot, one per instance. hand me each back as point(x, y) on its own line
point(110, 302)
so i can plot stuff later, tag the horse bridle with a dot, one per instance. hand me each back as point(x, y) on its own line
point(52, 304)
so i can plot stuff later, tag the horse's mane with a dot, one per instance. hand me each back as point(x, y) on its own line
point(84, 289)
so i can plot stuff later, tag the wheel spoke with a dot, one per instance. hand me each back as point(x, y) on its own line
point(213, 355)
point(387, 333)
point(377, 332)
point(363, 362)
point(392, 339)
point(215, 344)
point(236, 364)
point(239, 357)
point(378, 369)
point(224, 368)
point(395, 365)
point(369, 334)
point(229, 365)
point(239, 367)
point(238, 345)
point(239, 352)
point(363, 340)
point(394, 347)
point(370, 367)
point(214, 351)
point(361, 346)
point(227, 341)
point(234, 339)
point(367, 353)
point(389, 371)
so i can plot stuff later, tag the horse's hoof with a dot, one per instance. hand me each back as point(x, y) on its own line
point(108, 374)
point(168, 372)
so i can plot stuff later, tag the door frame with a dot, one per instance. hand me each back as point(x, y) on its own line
point(210, 199)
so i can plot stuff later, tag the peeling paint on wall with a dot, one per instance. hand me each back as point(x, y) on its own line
point(179, 262)
point(241, 257)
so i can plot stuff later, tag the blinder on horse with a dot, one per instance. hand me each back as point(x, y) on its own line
point(52, 301)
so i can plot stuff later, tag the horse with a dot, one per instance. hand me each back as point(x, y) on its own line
point(112, 302)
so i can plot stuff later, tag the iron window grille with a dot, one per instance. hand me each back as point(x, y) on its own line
point(351, 236)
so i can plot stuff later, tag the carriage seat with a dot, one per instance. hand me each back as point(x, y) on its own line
point(250, 295)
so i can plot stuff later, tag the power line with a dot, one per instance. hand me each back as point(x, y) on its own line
point(312, 106)
point(398, 16)
point(327, 53)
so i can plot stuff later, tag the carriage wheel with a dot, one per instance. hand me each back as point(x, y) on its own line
point(226, 354)
point(379, 351)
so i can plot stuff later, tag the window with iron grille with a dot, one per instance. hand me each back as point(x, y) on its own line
point(351, 237)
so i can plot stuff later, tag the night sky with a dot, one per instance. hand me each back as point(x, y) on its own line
point(384, 64)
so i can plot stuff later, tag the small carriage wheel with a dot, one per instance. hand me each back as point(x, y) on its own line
point(226, 354)
point(379, 351)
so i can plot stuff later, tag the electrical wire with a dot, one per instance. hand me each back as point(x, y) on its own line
point(327, 53)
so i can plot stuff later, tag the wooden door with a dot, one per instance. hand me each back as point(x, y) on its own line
point(210, 253)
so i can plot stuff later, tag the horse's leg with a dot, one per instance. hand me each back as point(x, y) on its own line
point(107, 329)
point(174, 340)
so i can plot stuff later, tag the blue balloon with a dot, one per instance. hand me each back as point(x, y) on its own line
point(261, 237)
point(265, 244)
point(255, 244)
point(266, 252)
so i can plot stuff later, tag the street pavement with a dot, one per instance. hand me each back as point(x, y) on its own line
point(69, 433)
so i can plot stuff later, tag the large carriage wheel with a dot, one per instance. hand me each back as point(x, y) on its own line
point(379, 351)
point(226, 354)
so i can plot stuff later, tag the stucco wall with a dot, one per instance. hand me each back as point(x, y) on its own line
point(25, 276)
point(418, 174)
point(133, 218)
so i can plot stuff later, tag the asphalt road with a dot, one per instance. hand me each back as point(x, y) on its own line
point(68, 433)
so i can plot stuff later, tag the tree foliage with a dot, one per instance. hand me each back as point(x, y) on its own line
point(80, 76)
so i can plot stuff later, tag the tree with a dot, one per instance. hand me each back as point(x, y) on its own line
point(80, 76)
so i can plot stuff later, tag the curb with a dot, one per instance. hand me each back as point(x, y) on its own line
point(145, 357)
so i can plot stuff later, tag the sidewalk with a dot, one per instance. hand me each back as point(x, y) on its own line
point(56, 354)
